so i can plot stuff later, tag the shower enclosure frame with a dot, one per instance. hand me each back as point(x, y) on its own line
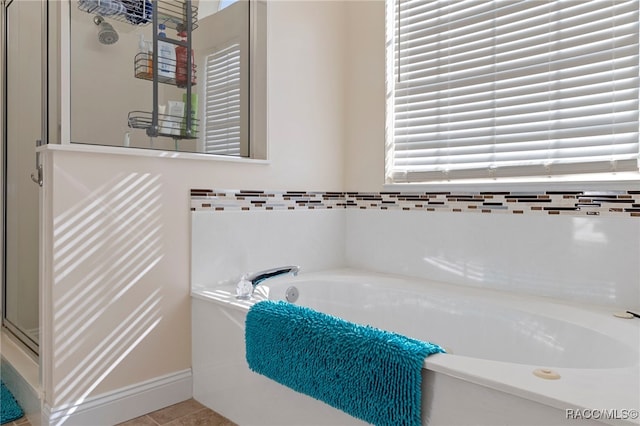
point(32, 346)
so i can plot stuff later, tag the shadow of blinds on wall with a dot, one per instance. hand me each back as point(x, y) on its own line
point(222, 102)
point(486, 89)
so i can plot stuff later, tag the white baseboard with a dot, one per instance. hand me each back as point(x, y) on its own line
point(123, 404)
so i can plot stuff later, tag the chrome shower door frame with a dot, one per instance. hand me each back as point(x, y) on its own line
point(30, 342)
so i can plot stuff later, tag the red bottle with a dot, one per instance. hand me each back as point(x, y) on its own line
point(181, 64)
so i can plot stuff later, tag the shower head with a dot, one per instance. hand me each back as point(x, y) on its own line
point(106, 33)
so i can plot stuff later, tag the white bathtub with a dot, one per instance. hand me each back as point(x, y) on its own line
point(495, 342)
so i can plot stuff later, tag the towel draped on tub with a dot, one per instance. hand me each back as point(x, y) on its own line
point(369, 373)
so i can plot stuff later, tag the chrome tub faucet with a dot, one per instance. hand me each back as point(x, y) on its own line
point(248, 283)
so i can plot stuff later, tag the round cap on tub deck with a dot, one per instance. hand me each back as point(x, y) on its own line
point(292, 294)
point(624, 315)
point(545, 373)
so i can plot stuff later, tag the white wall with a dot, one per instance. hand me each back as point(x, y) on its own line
point(306, 89)
point(584, 259)
point(226, 245)
point(108, 209)
point(588, 260)
point(365, 95)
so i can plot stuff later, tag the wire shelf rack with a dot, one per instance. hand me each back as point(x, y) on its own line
point(143, 68)
point(172, 13)
point(171, 126)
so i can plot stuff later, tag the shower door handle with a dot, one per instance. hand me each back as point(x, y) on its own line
point(37, 178)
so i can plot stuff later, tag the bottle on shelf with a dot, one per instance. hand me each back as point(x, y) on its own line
point(166, 55)
point(144, 59)
point(193, 128)
point(150, 58)
point(181, 63)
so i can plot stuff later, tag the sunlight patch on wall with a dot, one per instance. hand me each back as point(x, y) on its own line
point(103, 247)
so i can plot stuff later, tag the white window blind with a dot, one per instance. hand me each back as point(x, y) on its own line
point(504, 88)
point(222, 102)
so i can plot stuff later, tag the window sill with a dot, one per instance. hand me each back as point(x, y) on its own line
point(617, 182)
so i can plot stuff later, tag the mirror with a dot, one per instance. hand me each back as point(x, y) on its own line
point(108, 80)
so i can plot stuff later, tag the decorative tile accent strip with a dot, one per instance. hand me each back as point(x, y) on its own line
point(575, 203)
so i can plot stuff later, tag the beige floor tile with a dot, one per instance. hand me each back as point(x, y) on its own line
point(139, 421)
point(175, 411)
point(204, 417)
point(186, 413)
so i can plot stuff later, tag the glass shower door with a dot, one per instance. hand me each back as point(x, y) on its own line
point(22, 124)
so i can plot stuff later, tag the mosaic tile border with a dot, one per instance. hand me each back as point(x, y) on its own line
point(574, 203)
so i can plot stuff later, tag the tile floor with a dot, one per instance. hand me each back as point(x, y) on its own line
point(22, 421)
point(186, 413)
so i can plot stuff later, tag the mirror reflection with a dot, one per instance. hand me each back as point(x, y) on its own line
point(112, 74)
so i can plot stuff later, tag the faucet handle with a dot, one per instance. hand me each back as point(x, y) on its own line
point(244, 288)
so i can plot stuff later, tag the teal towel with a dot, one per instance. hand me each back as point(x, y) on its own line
point(9, 408)
point(371, 374)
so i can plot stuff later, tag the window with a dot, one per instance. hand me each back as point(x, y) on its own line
point(225, 3)
point(483, 89)
point(222, 118)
